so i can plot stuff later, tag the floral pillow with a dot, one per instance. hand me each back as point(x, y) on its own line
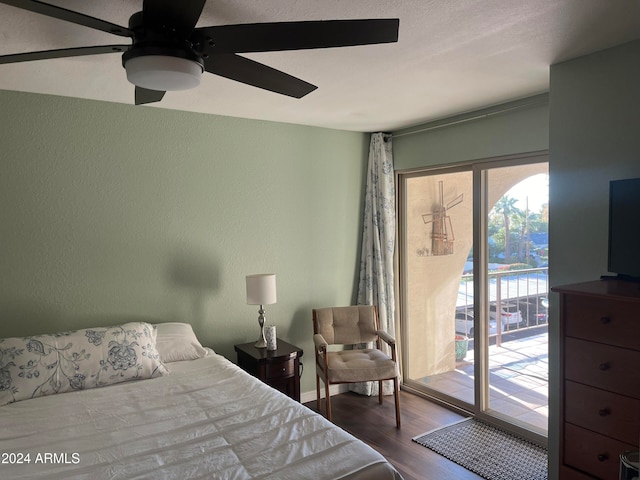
point(46, 364)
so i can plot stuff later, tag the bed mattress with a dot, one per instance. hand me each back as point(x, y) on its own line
point(208, 419)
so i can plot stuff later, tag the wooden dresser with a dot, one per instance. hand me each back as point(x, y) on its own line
point(599, 377)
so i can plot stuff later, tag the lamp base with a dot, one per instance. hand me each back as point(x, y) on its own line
point(262, 341)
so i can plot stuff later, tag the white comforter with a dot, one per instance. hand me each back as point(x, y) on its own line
point(208, 419)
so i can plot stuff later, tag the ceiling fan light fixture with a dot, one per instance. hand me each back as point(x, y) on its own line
point(163, 72)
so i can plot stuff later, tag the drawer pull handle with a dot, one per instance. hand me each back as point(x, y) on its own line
point(602, 457)
point(603, 412)
point(283, 369)
point(604, 366)
point(605, 320)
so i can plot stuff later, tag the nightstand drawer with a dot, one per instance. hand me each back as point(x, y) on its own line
point(605, 321)
point(593, 453)
point(603, 366)
point(280, 369)
point(612, 415)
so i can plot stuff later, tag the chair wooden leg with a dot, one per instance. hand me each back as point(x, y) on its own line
point(396, 394)
point(380, 392)
point(327, 399)
point(318, 392)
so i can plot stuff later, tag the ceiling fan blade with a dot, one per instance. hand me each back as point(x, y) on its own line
point(256, 74)
point(181, 16)
point(268, 37)
point(144, 95)
point(69, 16)
point(62, 53)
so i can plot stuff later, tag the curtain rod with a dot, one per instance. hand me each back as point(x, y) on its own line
point(474, 117)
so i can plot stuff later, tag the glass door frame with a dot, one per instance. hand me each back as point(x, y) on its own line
point(480, 168)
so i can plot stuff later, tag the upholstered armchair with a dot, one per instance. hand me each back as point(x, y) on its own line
point(347, 326)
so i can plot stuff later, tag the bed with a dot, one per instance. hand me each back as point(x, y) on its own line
point(200, 417)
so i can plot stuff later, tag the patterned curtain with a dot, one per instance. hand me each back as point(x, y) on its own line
point(378, 243)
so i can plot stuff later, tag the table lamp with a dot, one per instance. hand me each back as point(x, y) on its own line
point(261, 290)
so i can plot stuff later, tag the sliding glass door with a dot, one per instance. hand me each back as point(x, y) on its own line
point(516, 293)
point(438, 239)
point(473, 263)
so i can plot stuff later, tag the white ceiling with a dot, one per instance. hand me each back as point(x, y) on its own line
point(452, 56)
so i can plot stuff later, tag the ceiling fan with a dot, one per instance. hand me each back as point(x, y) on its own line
point(169, 53)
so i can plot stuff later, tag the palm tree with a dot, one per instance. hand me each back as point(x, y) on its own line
point(506, 206)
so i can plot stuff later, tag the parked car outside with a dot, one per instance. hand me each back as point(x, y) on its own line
point(536, 309)
point(510, 315)
point(543, 314)
point(464, 324)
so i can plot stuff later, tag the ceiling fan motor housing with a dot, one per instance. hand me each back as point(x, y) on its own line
point(160, 58)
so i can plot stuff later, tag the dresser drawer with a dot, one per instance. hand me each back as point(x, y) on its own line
point(593, 453)
point(603, 412)
point(568, 473)
point(603, 320)
point(602, 366)
point(280, 369)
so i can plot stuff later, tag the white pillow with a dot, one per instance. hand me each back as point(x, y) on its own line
point(177, 342)
point(94, 357)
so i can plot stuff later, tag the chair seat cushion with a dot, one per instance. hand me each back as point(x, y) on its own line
point(360, 365)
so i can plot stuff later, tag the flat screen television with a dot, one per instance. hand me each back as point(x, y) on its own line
point(624, 228)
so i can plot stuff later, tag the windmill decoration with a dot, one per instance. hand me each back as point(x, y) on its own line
point(442, 230)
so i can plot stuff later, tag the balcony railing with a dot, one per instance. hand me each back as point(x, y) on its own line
point(520, 296)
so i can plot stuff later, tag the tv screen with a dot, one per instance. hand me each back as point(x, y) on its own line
point(624, 228)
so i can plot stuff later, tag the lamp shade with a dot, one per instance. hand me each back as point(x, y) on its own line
point(261, 289)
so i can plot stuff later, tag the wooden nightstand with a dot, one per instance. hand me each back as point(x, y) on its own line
point(279, 368)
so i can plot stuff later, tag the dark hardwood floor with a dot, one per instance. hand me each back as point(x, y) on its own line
point(375, 424)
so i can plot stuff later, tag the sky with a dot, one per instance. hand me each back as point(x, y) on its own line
point(536, 188)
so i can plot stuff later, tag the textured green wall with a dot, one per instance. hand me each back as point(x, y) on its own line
point(522, 127)
point(594, 138)
point(111, 212)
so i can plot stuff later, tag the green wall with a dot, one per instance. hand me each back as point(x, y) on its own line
point(112, 212)
point(594, 138)
point(512, 128)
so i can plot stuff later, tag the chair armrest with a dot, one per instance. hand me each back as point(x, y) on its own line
point(322, 359)
point(386, 337)
point(320, 343)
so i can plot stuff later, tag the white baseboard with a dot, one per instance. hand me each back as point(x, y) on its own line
point(333, 390)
